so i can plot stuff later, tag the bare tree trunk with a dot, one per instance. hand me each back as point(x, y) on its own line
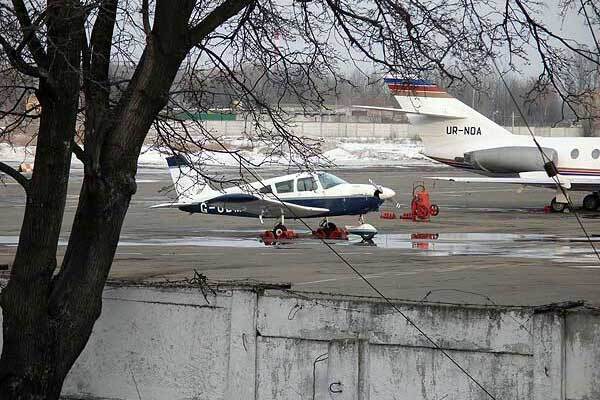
point(48, 320)
point(27, 323)
point(49, 317)
point(29, 334)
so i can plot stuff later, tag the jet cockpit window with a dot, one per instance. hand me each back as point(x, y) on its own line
point(285, 186)
point(266, 189)
point(306, 184)
point(329, 181)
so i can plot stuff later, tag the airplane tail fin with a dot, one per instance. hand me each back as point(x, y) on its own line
point(188, 183)
point(447, 127)
point(426, 102)
point(422, 97)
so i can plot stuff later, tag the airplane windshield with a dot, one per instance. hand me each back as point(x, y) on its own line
point(329, 181)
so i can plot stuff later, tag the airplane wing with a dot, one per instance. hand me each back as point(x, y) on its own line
point(543, 182)
point(174, 204)
point(534, 178)
point(268, 208)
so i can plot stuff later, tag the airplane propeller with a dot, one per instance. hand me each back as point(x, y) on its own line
point(384, 193)
point(378, 188)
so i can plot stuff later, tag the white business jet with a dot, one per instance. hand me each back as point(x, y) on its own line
point(455, 134)
point(301, 195)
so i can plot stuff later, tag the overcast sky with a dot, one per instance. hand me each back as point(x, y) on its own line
point(573, 26)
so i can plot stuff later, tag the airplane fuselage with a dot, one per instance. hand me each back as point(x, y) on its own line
point(477, 148)
point(456, 134)
point(342, 199)
point(349, 205)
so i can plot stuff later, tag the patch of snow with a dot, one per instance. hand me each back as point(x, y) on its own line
point(405, 152)
point(16, 154)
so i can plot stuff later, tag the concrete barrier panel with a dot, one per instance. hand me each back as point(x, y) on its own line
point(291, 368)
point(170, 343)
point(172, 349)
point(416, 373)
point(582, 355)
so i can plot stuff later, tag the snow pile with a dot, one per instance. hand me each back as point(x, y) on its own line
point(16, 154)
point(405, 152)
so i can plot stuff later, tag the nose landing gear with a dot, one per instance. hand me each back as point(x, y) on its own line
point(556, 206)
point(561, 201)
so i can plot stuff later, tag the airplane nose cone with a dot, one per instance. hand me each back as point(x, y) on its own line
point(387, 193)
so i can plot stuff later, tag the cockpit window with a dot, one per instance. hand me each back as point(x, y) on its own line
point(285, 186)
point(329, 181)
point(266, 189)
point(306, 184)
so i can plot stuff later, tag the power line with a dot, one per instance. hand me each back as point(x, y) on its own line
point(552, 167)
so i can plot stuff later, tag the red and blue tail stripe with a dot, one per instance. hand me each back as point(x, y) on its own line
point(414, 88)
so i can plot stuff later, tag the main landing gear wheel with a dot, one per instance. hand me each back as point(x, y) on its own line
point(591, 202)
point(556, 206)
point(327, 226)
point(279, 230)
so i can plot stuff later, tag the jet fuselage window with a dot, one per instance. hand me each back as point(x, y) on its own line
point(266, 189)
point(329, 181)
point(306, 184)
point(574, 153)
point(595, 154)
point(285, 186)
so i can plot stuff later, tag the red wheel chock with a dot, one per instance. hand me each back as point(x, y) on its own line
point(387, 215)
point(269, 238)
point(335, 234)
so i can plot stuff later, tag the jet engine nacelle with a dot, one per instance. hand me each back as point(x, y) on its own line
point(510, 159)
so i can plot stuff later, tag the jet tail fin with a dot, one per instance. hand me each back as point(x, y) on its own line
point(419, 96)
point(188, 183)
point(447, 127)
point(438, 114)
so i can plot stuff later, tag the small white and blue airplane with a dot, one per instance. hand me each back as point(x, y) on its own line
point(457, 135)
point(300, 195)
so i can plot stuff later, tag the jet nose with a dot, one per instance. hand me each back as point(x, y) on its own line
point(386, 193)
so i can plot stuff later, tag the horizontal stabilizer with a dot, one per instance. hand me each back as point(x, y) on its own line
point(418, 112)
point(422, 97)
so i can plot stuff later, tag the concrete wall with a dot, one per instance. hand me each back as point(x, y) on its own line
point(548, 131)
point(366, 130)
point(169, 343)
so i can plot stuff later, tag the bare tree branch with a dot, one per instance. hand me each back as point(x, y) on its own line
point(216, 18)
point(146, 19)
point(17, 61)
point(30, 36)
point(80, 154)
point(16, 175)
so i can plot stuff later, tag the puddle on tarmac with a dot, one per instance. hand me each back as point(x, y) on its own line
point(569, 249)
point(202, 241)
point(558, 248)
